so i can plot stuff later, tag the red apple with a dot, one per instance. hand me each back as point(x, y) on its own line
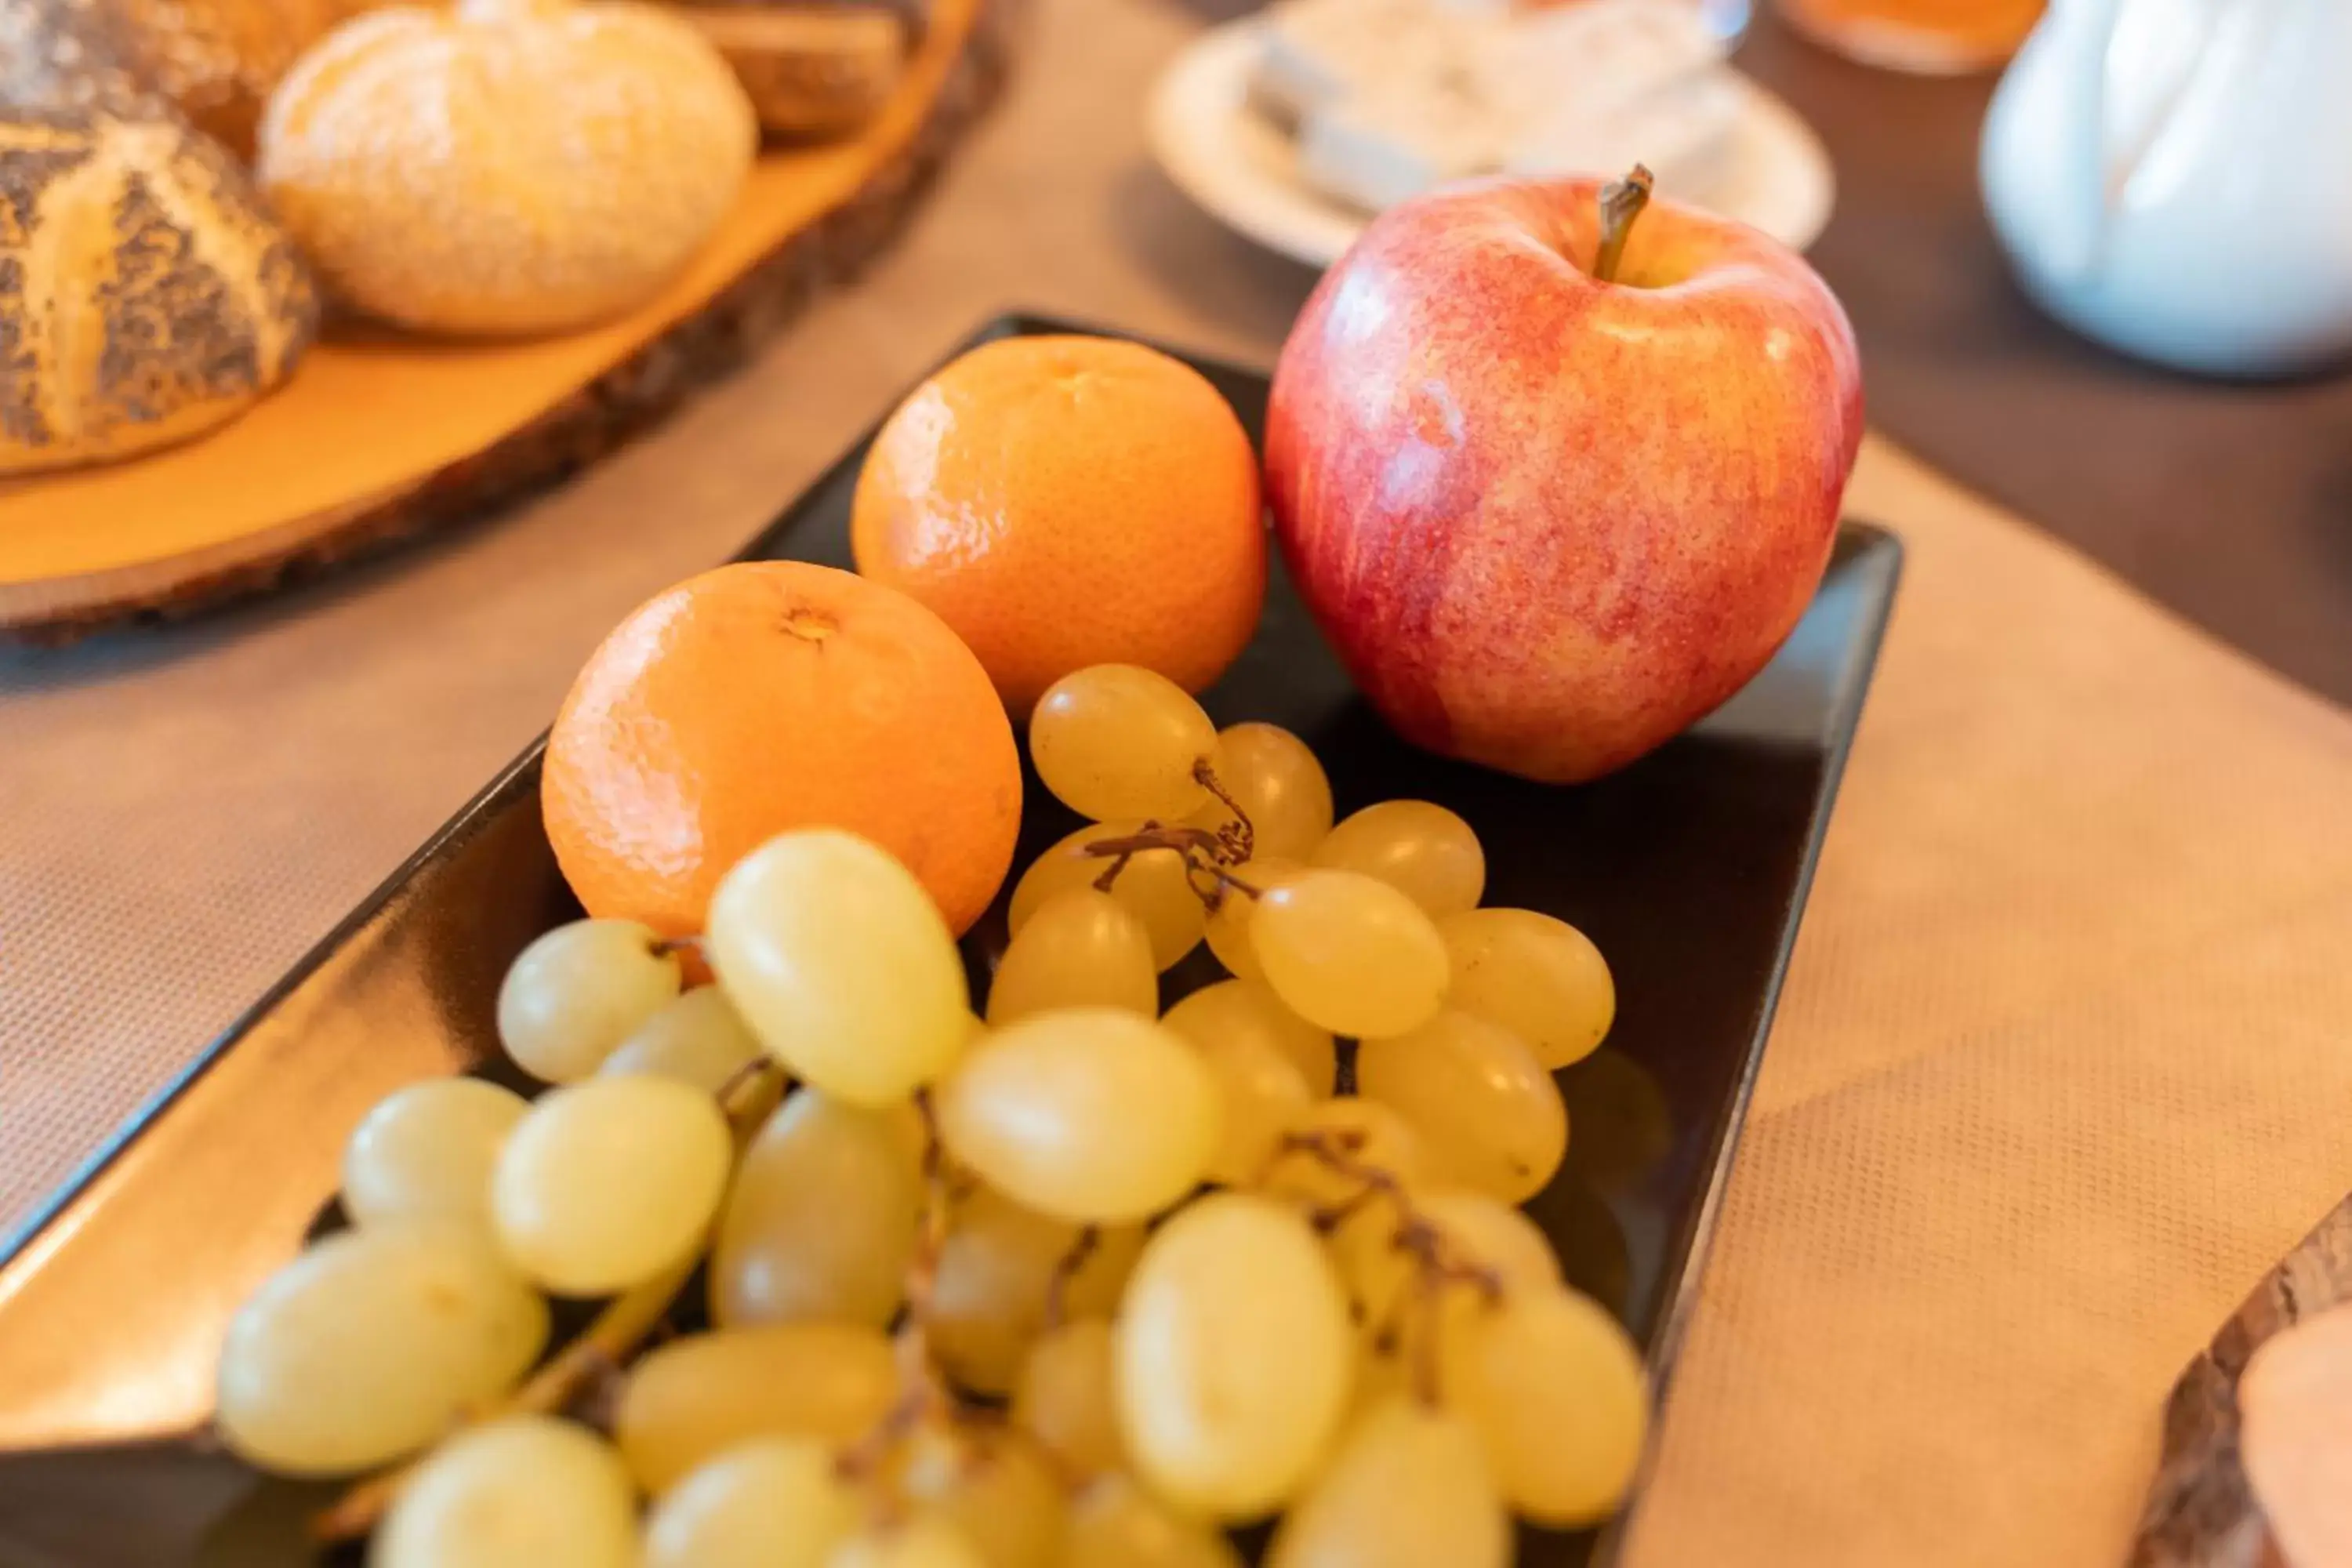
point(1547, 520)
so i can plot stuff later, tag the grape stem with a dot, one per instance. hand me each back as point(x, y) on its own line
point(923, 1267)
point(1343, 1067)
point(1190, 843)
point(601, 1349)
point(1058, 1290)
point(1153, 835)
point(1434, 1254)
point(1104, 883)
point(921, 1393)
point(1204, 854)
point(1238, 838)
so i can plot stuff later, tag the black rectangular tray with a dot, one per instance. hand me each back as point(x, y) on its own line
point(1689, 870)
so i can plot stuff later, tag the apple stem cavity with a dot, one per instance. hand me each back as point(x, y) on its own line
point(1621, 201)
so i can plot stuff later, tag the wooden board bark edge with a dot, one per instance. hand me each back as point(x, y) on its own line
point(2201, 1512)
point(624, 402)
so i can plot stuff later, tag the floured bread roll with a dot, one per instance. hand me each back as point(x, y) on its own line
point(511, 167)
point(218, 59)
point(144, 294)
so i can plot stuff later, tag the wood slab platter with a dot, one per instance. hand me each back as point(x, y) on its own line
point(2202, 1512)
point(379, 436)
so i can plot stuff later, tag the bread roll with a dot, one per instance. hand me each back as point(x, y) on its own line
point(514, 167)
point(144, 296)
point(811, 70)
point(218, 59)
point(214, 60)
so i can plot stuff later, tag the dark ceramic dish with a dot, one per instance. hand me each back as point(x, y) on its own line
point(1689, 870)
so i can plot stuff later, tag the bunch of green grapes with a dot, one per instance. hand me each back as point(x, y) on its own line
point(1075, 1286)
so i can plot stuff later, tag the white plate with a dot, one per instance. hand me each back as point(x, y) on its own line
point(1233, 163)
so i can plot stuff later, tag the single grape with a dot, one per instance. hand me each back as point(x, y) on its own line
point(1064, 1401)
point(578, 991)
point(1361, 1133)
point(1092, 1114)
point(772, 1503)
point(1152, 886)
point(698, 1040)
point(841, 964)
point(1422, 850)
point(1273, 776)
point(1082, 949)
point(608, 1181)
point(1115, 740)
point(994, 1487)
point(1540, 978)
point(1408, 1486)
point(1556, 1393)
point(1228, 923)
point(1233, 1356)
point(701, 1395)
point(822, 1218)
point(923, 1542)
point(995, 1274)
point(427, 1150)
point(1260, 1092)
point(528, 1489)
point(1350, 953)
point(371, 1344)
point(1114, 1523)
point(1624, 1127)
point(1244, 1007)
point(1489, 1116)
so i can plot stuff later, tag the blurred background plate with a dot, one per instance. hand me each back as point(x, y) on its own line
point(1244, 170)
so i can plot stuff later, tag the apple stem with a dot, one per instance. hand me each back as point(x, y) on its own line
point(1622, 202)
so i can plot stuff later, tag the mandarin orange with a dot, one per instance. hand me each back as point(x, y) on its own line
point(1064, 501)
point(771, 695)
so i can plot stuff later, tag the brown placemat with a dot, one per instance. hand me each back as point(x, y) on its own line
point(2230, 504)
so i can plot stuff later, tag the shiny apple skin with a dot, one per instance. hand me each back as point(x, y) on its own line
point(1548, 522)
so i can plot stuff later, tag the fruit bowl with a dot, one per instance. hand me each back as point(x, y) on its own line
point(1689, 870)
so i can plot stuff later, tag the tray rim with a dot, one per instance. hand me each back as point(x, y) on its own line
point(24, 1248)
point(1680, 1292)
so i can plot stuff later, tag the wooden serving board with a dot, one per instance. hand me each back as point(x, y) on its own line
point(379, 436)
point(2201, 1512)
